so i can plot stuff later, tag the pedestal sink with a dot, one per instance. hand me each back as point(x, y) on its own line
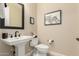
point(19, 43)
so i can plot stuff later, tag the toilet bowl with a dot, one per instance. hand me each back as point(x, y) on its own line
point(42, 49)
point(39, 49)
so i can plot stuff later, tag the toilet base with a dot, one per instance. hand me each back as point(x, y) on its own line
point(37, 53)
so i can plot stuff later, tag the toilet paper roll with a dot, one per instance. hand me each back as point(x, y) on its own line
point(50, 41)
point(34, 36)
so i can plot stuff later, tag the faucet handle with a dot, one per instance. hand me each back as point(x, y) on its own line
point(10, 35)
point(19, 34)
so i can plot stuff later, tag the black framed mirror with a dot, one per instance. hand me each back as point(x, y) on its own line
point(13, 17)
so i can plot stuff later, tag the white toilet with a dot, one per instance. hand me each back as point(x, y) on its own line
point(39, 49)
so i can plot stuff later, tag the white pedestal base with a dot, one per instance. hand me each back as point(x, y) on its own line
point(20, 50)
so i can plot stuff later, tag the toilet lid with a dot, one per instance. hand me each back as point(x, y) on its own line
point(42, 46)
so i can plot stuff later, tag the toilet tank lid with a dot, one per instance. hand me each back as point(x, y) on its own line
point(42, 46)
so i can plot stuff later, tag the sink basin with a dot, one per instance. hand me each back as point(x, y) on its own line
point(17, 40)
point(19, 43)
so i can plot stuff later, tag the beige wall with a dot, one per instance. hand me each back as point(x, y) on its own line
point(76, 34)
point(30, 10)
point(64, 34)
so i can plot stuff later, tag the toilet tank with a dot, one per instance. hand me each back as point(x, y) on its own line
point(34, 42)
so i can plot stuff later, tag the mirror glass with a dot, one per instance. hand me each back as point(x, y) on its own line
point(13, 14)
point(14, 17)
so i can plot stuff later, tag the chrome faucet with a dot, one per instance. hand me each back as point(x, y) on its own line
point(16, 33)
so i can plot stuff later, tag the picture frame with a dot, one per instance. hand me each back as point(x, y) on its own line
point(31, 20)
point(53, 18)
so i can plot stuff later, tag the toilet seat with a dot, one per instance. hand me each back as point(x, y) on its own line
point(42, 46)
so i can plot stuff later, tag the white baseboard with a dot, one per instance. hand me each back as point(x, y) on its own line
point(4, 54)
point(52, 53)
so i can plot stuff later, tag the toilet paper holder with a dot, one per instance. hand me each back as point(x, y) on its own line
point(50, 41)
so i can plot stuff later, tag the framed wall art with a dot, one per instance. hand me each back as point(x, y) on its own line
point(53, 18)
